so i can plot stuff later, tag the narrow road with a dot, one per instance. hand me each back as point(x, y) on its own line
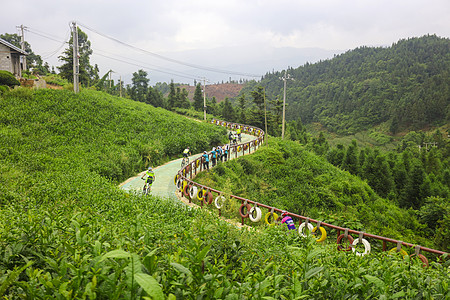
point(163, 185)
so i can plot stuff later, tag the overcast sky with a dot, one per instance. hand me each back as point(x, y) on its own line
point(185, 29)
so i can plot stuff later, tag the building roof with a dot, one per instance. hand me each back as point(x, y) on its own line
point(7, 44)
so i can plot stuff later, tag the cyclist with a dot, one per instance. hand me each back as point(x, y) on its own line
point(150, 178)
point(288, 220)
point(213, 156)
point(205, 158)
point(219, 154)
point(238, 132)
point(225, 151)
point(230, 136)
point(186, 154)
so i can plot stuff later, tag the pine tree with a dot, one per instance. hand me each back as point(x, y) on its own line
point(198, 98)
point(350, 162)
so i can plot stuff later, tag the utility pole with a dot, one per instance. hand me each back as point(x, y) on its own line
point(265, 116)
point(76, 66)
point(120, 89)
point(284, 78)
point(204, 98)
point(22, 45)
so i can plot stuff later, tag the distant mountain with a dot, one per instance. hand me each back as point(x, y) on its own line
point(219, 91)
point(404, 86)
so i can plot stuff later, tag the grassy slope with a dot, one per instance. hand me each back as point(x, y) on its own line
point(287, 176)
point(86, 238)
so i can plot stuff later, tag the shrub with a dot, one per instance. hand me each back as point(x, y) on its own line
point(8, 79)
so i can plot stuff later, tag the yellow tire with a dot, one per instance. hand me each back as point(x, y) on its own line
point(394, 250)
point(175, 179)
point(323, 232)
point(268, 217)
point(200, 194)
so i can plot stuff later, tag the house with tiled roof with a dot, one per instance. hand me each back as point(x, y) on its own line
point(11, 58)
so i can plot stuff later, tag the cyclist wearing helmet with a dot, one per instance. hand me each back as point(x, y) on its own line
point(205, 158)
point(186, 152)
point(288, 220)
point(150, 178)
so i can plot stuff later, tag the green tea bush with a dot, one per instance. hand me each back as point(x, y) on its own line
point(8, 79)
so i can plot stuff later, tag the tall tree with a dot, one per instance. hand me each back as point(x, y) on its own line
point(350, 162)
point(198, 98)
point(87, 72)
point(172, 98)
point(139, 87)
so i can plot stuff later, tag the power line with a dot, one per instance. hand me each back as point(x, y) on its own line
point(170, 59)
point(144, 65)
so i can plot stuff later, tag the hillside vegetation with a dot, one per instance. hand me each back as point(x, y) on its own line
point(68, 232)
point(289, 177)
point(405, 86)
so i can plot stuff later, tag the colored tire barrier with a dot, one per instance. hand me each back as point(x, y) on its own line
point(179, 183)
point(270, 216)
point(401, 251)
point(209, 198)
point(243, 207)
point(323, 233)
point(366, 247)
point(200, 194)
point(219, 202)
point(302, 226)
point(193, 191)
point(186, 190)
point(175, 179)
point(422, 258)
point(255, 214)
point(340, 240)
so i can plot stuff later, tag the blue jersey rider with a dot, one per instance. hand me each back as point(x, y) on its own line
point(205, 158)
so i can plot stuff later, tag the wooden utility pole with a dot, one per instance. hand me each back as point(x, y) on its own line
point(76, 62)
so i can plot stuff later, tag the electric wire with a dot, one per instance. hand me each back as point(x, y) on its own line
point(143, 64)
point(47, 36)
point(169, 59)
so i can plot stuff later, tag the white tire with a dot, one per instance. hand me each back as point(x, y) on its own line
point(179, 183)
point(193, 192)
point(302, 226)
point(366, 247)
point(258, 214)
point(219, 201)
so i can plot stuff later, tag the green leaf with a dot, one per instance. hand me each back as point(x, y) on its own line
point(202, 254)
point(400, 294)
point(181, 268)
point(218, 293)
point(313, 272)
point(12, 277)
point(375, 280)
point(150, 285)
point(115, 254)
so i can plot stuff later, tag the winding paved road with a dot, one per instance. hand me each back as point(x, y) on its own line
point(163, 185)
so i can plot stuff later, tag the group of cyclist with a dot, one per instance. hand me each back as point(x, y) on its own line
point(217, 154)
point(234, 137)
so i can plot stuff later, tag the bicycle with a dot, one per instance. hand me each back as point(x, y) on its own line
point(147, 187)
point(184, 162)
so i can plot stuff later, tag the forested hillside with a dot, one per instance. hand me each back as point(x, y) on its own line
point(404, 86)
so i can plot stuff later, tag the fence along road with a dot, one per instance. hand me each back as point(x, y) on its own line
point(186, 175)
point(163, 185)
